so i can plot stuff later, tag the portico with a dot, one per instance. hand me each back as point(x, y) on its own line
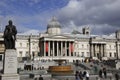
point(97, 49)
point(57, 46)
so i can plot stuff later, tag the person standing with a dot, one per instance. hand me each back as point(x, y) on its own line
point(77, 76)
point(87, 75)
point(100, 73)
point(105, 72)
point(80, 75)
point(40, 78)
point(116, 76)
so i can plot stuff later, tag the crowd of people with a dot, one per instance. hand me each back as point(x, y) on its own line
point(40, 78)
point(79, 75)
point(103, 72)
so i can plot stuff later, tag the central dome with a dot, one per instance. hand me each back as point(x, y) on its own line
point(53, 23)
point(53, 26)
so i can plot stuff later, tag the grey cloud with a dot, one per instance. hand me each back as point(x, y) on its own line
point(87, 12)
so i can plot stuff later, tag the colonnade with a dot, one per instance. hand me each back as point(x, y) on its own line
point(57, 48)
point(97, 50)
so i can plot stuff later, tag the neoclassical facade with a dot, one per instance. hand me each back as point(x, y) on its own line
point(73, 46)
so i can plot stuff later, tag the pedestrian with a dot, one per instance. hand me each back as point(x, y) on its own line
point(95, 69)
point(80, 75)
point(116, 76)
point(100, 73)
point(84, 74)
point(40, 78)
point(35, 78)
point(77, 76)
point(97, 78)
point(105, 72)
point(87, 75)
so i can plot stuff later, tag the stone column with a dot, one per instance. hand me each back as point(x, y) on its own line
point(48, 48)
point(100, 52)
point(69, 48)
point(105, 50)
point(100, 49)
point(40, 43)
point(61, 48)
point(91, 49)
point(44, 49)
point(65, 48)
point(57, 49)
point(53, 49)
point(117, 50)
point(94, 50)
point(30, 48)
point(73, 49)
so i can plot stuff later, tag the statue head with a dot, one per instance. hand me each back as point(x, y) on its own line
point(10, 22)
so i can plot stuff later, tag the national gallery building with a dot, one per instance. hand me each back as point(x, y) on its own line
point(73, 46)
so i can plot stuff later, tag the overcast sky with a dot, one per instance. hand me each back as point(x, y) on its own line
point(102, 16)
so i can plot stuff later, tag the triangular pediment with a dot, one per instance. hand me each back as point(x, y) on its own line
point(59, 36)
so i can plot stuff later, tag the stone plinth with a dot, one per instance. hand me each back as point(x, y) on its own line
point(10, 65)
point(9, 77)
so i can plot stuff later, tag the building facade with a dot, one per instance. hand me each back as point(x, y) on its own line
point(55, 45)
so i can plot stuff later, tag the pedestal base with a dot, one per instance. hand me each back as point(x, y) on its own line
point(10, 66)
point(9, 77)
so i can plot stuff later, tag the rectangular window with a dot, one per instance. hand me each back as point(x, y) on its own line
point(88, 54)
point(20, 52)
point(87, 46)
point(75, 53)
point(115, 55)
point(0, 45)
point(71, 53)
point(27, 54)
point(110, 46)
point(82, 54)
point(27, 44)
point(114, 46)
point(1, 57)
point(82, 46)
point(33, 53)
point(110, 54)
point(20, 44)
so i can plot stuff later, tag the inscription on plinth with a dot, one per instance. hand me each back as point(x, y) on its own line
point(10, 62)
point(10, 66)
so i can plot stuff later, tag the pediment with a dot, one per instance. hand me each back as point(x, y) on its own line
point(60, 36)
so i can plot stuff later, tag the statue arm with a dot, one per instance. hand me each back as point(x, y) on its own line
point(14, 32)
point(5, 31)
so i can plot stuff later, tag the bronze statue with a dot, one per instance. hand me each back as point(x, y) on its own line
point(10, 35)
